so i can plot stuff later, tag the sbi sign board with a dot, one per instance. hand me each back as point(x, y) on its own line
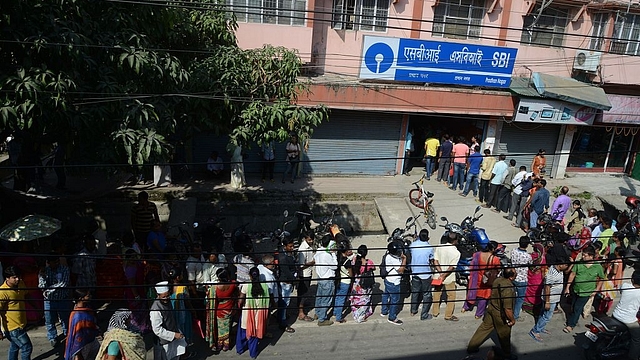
point(424, 61)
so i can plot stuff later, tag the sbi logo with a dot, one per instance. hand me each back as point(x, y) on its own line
point(501, 59)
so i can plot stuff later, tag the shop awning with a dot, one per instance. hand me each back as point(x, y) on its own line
point(570, 90)
point(625, 110)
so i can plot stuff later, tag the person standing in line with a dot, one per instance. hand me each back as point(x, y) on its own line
point(422, 261)
point(477, 292)
point(13, 315)
point(586, 278)
point(626, 311)
point(499, 316)
point(345, 273)
point(268, 276)
point(460, 153)
point(561, 205)
point(83, 329)
point(396, 263)
point(171, 342)
point(538, 164)
point(195, 265)
point(446, 255)
point(539, 203)
point(84, 263)
point(445, 160)
point(504, 194)
point(474, 164)
point(485, 175)
point(516, 184)
point(293, 157)
point(520, 259)
point(472, 146)
point(305, 263)
point(551, 297)
point(255, 302)
point(362, 287)
point(268, 155)
point(408, 149)
point(288, 276)
point(497, 175)
point(326, 265)
point(431, 146)
point(53, 279)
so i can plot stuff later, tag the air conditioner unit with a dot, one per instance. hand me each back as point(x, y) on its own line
point(587, 60)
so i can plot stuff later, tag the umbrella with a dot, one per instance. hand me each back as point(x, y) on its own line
point(29, 228)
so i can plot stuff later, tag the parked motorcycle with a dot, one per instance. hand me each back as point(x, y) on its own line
point(470, 240)
point(407, 235)
point(212, 235)
point(607, 337)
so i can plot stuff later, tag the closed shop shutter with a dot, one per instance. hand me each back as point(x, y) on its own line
point(350, 135)
point(521, 141)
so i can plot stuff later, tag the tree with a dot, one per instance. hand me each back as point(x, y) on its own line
point(119, 81)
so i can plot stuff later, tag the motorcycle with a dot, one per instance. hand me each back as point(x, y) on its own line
point(470, 240)
point(406, 236)
point(608, 339)
point(629, 221)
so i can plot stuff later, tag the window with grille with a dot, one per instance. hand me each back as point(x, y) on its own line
point(626, 35)
point(283, 12)
point(599, 26)
point(458, 19)
point(546, 28)
point(366, 15)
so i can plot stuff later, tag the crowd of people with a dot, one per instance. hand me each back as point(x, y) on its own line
point(184, 293)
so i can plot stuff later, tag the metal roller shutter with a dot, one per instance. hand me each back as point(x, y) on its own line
point(355, 135)
point(521, 141)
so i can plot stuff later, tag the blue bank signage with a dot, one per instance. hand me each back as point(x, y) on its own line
point(424, 61)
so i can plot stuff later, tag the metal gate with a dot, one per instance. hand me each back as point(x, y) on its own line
point(521, 141)
point(340, 145)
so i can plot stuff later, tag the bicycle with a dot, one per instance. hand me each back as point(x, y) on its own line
point(423, 199)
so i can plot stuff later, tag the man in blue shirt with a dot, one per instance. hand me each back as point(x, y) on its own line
point(474, 161)
point(539, 203)
point(421, 262)
point(497, 175)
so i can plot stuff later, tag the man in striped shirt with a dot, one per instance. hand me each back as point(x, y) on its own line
point(143, 215)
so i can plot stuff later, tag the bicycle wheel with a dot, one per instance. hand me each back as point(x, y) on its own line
point(415, 197)
point(431, 217)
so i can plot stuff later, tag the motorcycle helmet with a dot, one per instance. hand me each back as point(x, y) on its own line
point(395, 248)
point(633, 202)
point(455, 228)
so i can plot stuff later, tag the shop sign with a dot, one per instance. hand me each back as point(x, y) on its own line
point(554, 112)
point(441, 62)
point(625, 110)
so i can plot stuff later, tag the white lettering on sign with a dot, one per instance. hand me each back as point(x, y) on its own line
point(501, 59)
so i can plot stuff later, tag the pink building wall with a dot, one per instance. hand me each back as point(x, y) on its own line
point(338, 51)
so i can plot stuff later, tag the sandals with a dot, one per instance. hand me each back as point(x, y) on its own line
point(478, 317)
point(567, 329)
point(546, 332)
point(452, 318)
point(535, 336)
point(305, 318)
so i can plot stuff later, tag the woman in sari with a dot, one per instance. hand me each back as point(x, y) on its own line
point(539, 163)
point(83, 329)
point(478, 294)
point(122, 341)
point(220, 305)
point(135, 292)
point(181, 302)
point(360, 295)
point(254, 302)
point(535, 281)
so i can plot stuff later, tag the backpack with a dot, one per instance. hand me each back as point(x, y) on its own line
point(367, 279)
point(383, 267)
point(490, 274)
point(526, 185)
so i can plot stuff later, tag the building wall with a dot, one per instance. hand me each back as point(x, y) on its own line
point(338, 51)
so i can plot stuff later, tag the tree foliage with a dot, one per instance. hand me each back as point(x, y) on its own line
point(118, 81)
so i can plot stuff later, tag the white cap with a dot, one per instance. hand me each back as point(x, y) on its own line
point(162, 287)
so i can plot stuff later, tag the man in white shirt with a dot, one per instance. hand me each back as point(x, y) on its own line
point(326, 266)
point(214, 165)
point(305, 262)
point(626, 312)
point(396, 262)
point(445, 261)
point(268, 277)
point(518, 178)
point(164, 325)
